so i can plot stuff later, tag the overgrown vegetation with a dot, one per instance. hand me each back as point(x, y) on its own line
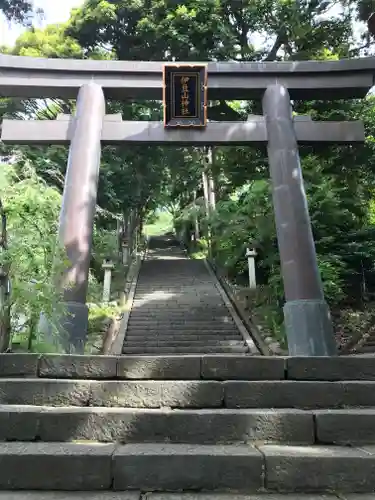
point(340, 181)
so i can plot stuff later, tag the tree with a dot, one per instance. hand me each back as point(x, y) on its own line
point(17, 10)
point(48, 42)
point(31, 209)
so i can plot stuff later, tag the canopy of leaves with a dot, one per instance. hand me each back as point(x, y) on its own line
point(15, 9)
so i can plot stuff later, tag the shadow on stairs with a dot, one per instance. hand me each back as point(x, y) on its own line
point(242, 428)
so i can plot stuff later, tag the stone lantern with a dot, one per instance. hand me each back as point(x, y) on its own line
point(108, 267)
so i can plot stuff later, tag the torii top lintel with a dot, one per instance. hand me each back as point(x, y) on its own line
point(38, 77)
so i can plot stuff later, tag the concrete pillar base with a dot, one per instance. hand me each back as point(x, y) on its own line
point(309, 328)
point(72, 329)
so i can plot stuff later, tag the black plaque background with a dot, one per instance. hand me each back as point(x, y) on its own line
point(197, 84)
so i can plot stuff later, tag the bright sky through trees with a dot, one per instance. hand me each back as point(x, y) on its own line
point(55, 11)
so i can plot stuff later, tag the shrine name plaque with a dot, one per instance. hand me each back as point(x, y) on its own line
point(185, 95)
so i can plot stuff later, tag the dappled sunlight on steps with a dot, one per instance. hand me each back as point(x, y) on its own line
point(159, 423)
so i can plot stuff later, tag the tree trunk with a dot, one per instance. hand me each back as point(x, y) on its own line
point(196, 219)
point(205, 192)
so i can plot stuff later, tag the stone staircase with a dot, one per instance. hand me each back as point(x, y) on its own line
point(178, 307)
point(231, 424)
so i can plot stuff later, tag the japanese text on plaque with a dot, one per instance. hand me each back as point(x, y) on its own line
point(185, 95)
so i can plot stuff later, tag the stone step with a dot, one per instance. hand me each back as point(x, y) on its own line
point(193, 307)
point(365, 349)
point(224, 318)
point(154, 280)
point(179, 315)
point(181, 337)
point(56, 466)
point(184, 350)
point(191, 288)
point(187, 334)
point(190, 302)
point(185, 330)
point(132, 495)
point(184, 340)
point(282, 468)
point(354, 369)
point(183, 343)
point(195, 322)
point(190, 292)
point(179, 318)
point(167, 316)
point(165, 306)
point(174, 272)
point(184, 284)
point(185, 393)
point(177, 293)
point(237, 496)
point(188, 330)
point(181, 325)
point(173, 331)
point(180, 308)
point(164, 312)
point(345, 427)
point(175, 467)
point(127, 393)
point(167, 367)
point(126, 425)
point(72, 495)
point(294, 394)
point(151, 280)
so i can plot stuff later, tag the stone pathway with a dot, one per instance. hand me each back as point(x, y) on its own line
point(178, 307)
point(206, 423)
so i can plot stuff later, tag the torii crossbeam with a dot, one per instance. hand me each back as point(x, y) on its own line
point(39, 77)
point(115, 131)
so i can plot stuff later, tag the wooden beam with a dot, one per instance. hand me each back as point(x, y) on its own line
point(38, 77)
point(216, 133)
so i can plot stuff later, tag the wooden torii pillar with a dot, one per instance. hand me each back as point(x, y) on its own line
point(77, 217)
point(371, 23)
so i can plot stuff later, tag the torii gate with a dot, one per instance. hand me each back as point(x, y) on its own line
point(307, 318)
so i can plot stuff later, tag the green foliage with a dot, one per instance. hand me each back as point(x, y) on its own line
point(15, 9)
point(32, 210)
point(99, 315)
point(105, 245)
point(49, 42)
point(160, 223)
point(199, 249)
point(210, 29)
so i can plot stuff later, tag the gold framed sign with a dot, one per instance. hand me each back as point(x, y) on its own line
point(185, 95)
